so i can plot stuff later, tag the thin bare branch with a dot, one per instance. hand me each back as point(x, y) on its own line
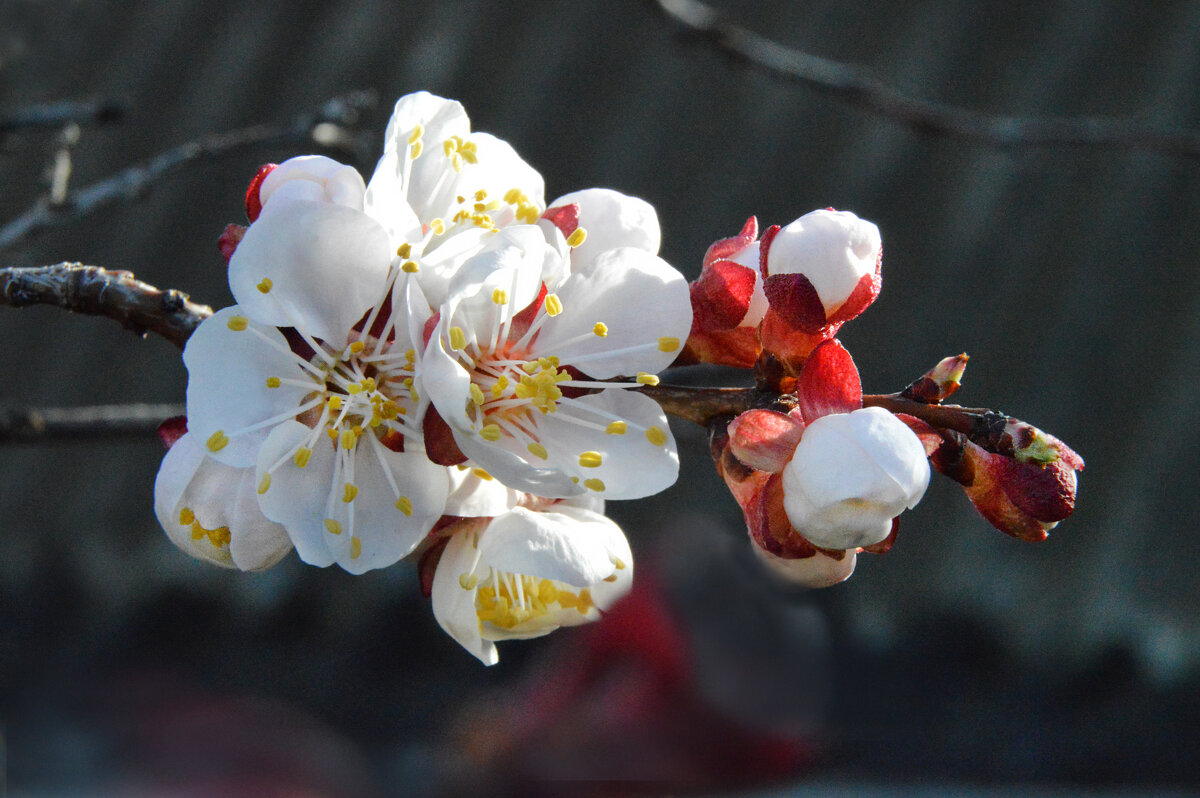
point(39, 425)
point(328, 127)
point(859, 85)
point(92, 111)
point(102, 292)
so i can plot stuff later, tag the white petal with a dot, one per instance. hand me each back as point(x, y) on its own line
point(612, 219)
point(549, 545)
point(439, 118)
point(605, 593)
point(833, 249)
point(218, 496)
point(298, 497)
point(227, 383)
point(454, 606)
point(507, 461)
point(631, 465)
point(895, 448)
point(435, 186)
point(819, 570)
point(472, 496)
point(327, 265)
point(637, 296)
point(386, 201)
point(511, 261)
point(312, 178)
point(441, 263)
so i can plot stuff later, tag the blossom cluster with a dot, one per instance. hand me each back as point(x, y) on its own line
point(434, 364)
point(437, 364)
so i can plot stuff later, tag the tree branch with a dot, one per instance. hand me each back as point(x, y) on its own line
point(102, 292)
point(76, 423)
point(92, 111)
point(326, 127)
point(859, 85)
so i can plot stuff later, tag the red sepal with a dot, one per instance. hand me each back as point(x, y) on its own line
point(427, 565)
point(728, 247)
point(737, 347)
point(522, 320)
point(440, 445)
point(253, 203)
point(765, 439)
point(860, 298)
point(721, 296)
point(564, 217)
point(796, 301)
point(393, 440)
point(764, 246)
point(231, 236)
point(828, 383)
point(172, 430)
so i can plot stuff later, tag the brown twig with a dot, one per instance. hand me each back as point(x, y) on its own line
point(92, 111)
point(325, 127)
point(102, 292)
point(859, 85)
point(78, 423)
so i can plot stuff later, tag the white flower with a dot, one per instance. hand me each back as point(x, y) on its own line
point(834, 250)
point(210, 510)
point(527, 572)
point(819, 570)
point(852, 473)
point(321, 415)
point(522, 327)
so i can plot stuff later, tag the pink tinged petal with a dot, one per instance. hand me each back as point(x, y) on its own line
point(765, 439)
point(216, 496)
point(323, 266)
point(227, 388)
point(612, 219)
point(549, 545)
point(721, 296)
point(638, 297)
point(817, 571)
point(730, 247)
point(454, 606)
point(631, 464)
point(311, 178)
point(832, 249)
point(828, 383)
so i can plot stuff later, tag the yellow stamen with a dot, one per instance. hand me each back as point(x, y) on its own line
point(410, 266)
point(349, 439)
point(357, 347)
point(237, 323)
point(349, 493)
point(217, 441)
point(265, 285)
point(590, 459)
point(458, 338)
point(334, 403)
point(333, 527)
point(500, 296)
point(468, 581)
point(264, 484)
point(481, 195)
point(668, 344)
point(600, 329)
point(553, 305)
point(300, 458)
point(186, 516)
point(437, 226)
point(404, 250)
point(619, 564)
point(490, 432)
point(355, 548)
point(416, 134)
point(404, 505)
point(577, 238)
point(274, 382)
point(414, 149)
point(537, 450)
point(498, 388)
point(594, 484)
point(656, 436)
point(479, 472)
point(354, 388)
point(646, 379)
point(616, 428)
point(476, 394)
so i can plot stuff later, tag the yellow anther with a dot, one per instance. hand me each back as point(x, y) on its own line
point(369, 384)
point(349, 493)
point(567, 599)
point(274, 382)
point(513, 196)
point(498, 388)
point(404, 250)
point(469, 152)
point(410, 355)
point(333, 527)
point(590, 459)
point(237, 323)
point(186, 516)
point(619, 564)
point(357, 347)
point(349, 439)
point(265, 285)
point(656, 436)
point(553, 305)
point(375, 421)
point(616, 428)
point(389, 409)
point(668, 344)
point(479, 472)
point(460, 199)
point(264, 484)
point(404, 505)
point(528, 213)
point(600, 329)
point(458, 338)
point(593, 484)
point(410, 266)
point(490, 432)
point(355, 547)
point(335, 403)
point(300, 458)
point(585, 601)
point(646, 379)
point(610, 578)
point(537, 450)
point(416, 134)
point(332, 433)
point(217, 441)
point(354, 388)
point(500, 296)
point(544, 362)
point(575, 480)
point(480, 207)
point(414, 149)
point(450, 145)
point(437, 226)
point(481, 195)
point(468, 581)
point(577, 238)
point(476, 394)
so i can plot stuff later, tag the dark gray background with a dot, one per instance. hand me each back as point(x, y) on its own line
point(1068, 273)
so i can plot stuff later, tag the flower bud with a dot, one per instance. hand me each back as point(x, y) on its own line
point(312, 178)
point(821, 269)
point(851, 475)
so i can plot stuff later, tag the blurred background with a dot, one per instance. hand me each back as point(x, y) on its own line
point(960, 663)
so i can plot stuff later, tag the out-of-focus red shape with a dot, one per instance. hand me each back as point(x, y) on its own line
point(230, 237)
point(172, 430)
point(616, 711)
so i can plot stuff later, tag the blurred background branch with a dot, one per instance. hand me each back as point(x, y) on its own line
point(859, 85)
point(38, 425)
point(90, 111)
